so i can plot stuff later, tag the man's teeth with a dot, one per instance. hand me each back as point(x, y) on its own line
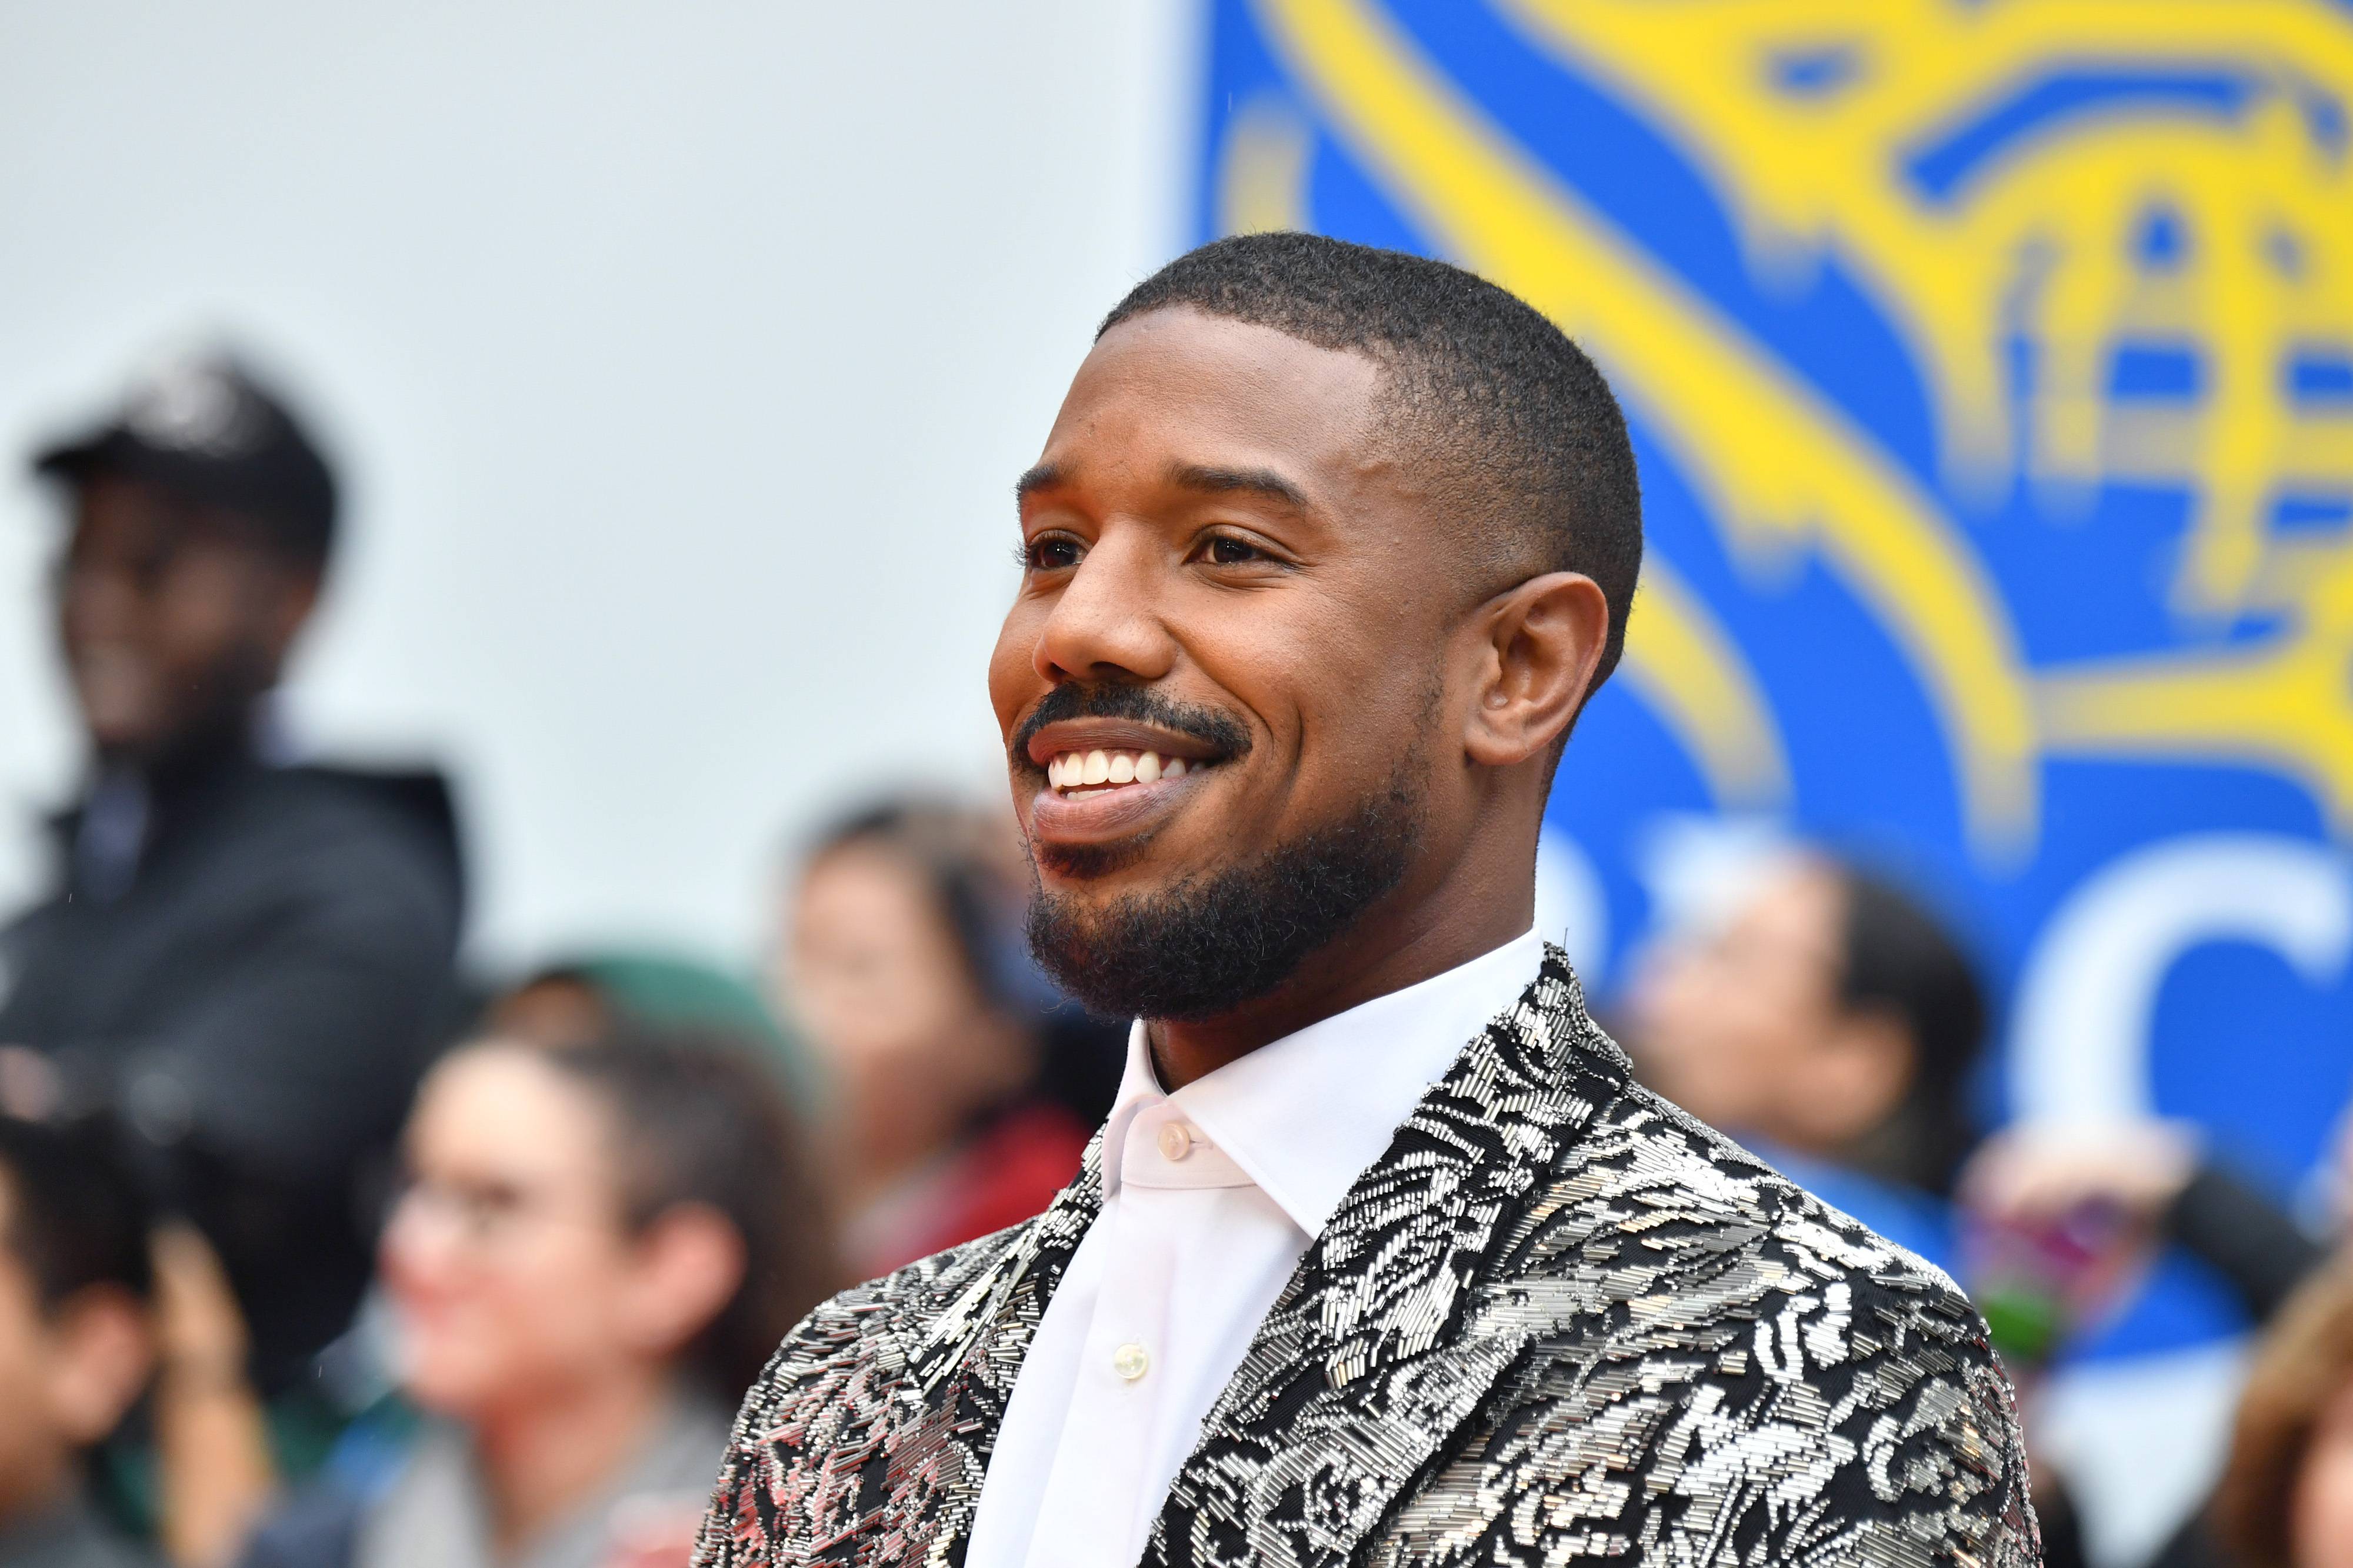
point(1083, 770)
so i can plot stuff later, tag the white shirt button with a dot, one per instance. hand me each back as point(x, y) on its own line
point(1131, 1361)
point(1176, 1141)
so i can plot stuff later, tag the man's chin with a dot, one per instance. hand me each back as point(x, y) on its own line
point(1140, 940)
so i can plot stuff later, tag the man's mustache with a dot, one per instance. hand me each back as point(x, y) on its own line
point(1140, 704)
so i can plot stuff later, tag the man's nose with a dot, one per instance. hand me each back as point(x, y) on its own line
point(1106, 624)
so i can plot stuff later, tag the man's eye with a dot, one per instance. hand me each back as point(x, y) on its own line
point(1051, 555)
point(1225, 550)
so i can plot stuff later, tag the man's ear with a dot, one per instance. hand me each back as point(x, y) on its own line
point(1541, 641)
point(104, 1350)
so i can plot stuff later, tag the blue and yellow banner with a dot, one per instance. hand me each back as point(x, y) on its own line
point(1991, 371)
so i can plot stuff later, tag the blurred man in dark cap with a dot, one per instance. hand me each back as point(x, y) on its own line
point(243, 958)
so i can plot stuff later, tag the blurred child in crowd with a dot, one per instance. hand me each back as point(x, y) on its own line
point(902, 960)
point(1831, 1023)
point(598, 1246)
point(76, 1337)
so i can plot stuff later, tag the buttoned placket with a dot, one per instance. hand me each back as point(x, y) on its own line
point(1164, 1163)
point(1229, 1178)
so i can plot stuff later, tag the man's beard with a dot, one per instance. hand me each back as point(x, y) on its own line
point(1215, 941)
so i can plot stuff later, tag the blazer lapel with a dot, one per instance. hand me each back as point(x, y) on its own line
point(1363, 1371)
point(958, 1375)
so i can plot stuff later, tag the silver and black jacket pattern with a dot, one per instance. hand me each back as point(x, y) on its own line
point(1558, 1321)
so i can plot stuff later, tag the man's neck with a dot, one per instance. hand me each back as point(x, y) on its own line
point(1389, 951)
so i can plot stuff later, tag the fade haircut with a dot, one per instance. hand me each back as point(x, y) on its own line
point(1516, 433)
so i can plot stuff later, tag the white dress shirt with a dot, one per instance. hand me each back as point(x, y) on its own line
point(1210, 1196)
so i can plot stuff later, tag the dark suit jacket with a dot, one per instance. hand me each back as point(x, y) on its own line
point(1557, 1320)
point(256, 1005)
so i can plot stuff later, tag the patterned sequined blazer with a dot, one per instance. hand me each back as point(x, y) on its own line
point(1558, 1321)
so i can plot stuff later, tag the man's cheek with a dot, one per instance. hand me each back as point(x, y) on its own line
point(1009, 681)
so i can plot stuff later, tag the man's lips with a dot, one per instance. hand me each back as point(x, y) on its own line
point(1109, 778)
point(1104, 813)
point(1066, 737)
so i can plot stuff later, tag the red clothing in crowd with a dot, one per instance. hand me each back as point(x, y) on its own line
point(1008, 1171)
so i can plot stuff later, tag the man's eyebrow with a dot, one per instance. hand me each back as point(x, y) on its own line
point(1044, 477)
point(1264, 482)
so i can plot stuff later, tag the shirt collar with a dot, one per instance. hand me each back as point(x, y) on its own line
point(1362, 1072)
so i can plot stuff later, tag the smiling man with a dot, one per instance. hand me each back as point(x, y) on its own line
point(1381, 1257)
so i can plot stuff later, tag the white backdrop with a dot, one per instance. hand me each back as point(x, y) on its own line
point(680, 360)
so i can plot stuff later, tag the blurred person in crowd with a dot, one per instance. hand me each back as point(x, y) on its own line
point(597, 1246)
point(901, 961)
point(243, 957)
point(590, 995)
point(2069, 1217)
point(2287, 1495)
point(77, 1336)
point(1380, 1256)
point(1831, 1022)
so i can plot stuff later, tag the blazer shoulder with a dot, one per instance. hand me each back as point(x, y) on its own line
point(1721, 1356)
point(1657, 1173)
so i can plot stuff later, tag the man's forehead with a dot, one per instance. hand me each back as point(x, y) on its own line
point(1189, 364)
point(1176, 395)
point(1265, 483)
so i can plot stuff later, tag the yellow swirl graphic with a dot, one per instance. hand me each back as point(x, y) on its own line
point(1692, 674)
point(2041, 240)
point(1779, 463)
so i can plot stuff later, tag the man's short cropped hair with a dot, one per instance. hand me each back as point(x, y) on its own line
point(75, 1216)
point(1517, 433)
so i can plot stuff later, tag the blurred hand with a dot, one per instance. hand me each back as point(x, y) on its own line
point(2060, 1222)
point(29, 1085)
point(212, 1440)
point(2032, 1177)
point(198, 1325)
